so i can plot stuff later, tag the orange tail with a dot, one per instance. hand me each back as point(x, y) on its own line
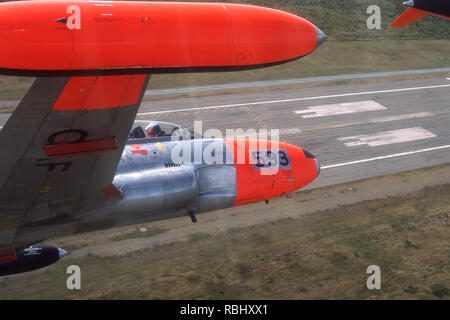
point(410, 15)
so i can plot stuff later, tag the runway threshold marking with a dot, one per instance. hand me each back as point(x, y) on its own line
point(295, 99)
point(396, 155)
point(404, 117)
point(388, 137)
point(340, 108)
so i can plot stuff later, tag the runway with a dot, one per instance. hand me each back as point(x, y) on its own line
point(296, 81)
point(356, 131)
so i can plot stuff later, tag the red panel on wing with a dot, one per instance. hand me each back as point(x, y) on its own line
point(63, 150)
point(88, 93)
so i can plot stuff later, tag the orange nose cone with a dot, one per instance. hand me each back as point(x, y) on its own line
point(306, 167)
point(268, 169)
point(315, 166)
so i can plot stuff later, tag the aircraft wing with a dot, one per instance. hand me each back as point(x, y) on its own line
point(409, 16)
point(59, 152)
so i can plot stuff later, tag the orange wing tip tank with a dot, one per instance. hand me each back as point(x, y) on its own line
point(93, 37)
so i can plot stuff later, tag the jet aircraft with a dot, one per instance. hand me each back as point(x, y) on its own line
point(67, 165)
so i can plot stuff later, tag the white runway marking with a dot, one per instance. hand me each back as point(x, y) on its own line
point(340, 108)
point(296, 99)
point(403, 117)
point(285, 132)
point(396, 155)
point(389, 137)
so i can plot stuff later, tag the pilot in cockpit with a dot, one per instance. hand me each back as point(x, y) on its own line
point(153, 130)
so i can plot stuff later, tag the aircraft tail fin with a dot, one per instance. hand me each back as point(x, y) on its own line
point(407, 17)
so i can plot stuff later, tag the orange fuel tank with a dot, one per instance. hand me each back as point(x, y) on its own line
point(114, 37)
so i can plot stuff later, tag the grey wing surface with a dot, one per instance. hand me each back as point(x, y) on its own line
point(59, 152)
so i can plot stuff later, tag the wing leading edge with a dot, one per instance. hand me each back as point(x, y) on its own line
point(60, 151)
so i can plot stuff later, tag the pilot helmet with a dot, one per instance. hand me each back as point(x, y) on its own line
point(153, 130)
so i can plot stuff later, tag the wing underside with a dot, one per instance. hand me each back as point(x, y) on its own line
point(60, 151)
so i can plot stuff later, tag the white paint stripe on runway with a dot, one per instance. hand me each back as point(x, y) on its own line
point(388, 137)
point(390, 156)
point(340, 108)
point(285, 132)
point(296, 99)
point(403, 117)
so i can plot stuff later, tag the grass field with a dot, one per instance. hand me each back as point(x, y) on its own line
point(346, 19)
point(334, 57)
point(322, 255)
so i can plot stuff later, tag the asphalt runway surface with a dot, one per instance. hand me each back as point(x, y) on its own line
point(356, 131)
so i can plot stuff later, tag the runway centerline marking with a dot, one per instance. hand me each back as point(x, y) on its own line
point(388, 137)
point(340, 108)
point(295, 99)
point(390, 156)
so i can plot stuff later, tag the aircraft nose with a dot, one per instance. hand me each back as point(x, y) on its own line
point(309, 155)
point(321, 37)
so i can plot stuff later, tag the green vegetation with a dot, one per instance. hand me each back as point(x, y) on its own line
point(139, 234)
point(439, 290)
point(351, 48)
point(334, 57)
point(198, 236)
point(346, 19)
point(12, 88)
point(320, 255)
